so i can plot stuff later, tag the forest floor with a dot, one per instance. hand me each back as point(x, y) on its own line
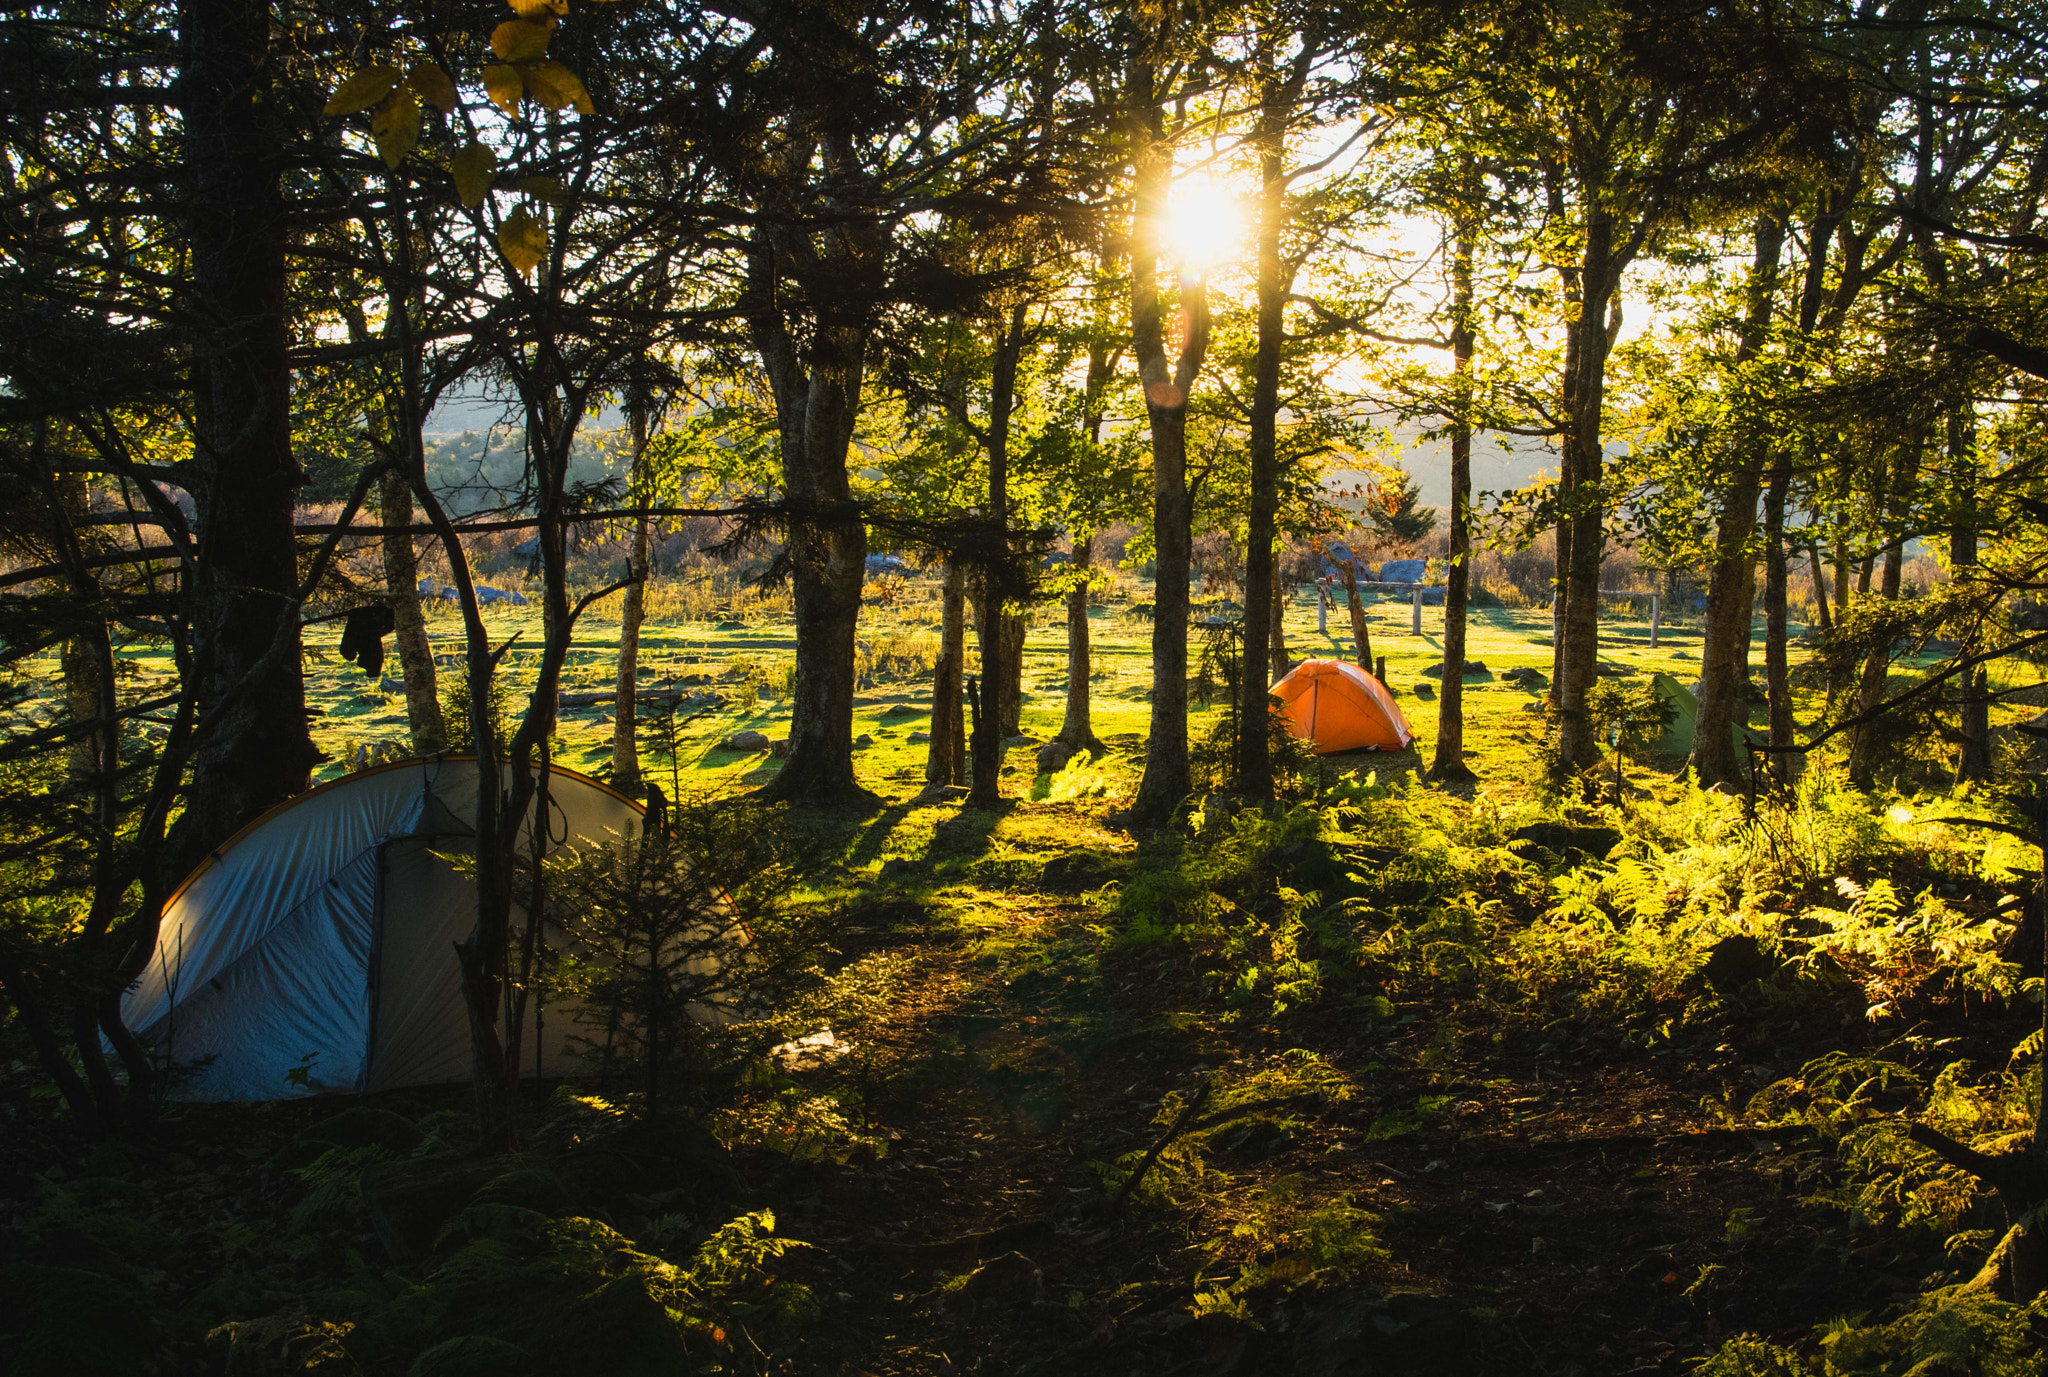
point(1520, 1138)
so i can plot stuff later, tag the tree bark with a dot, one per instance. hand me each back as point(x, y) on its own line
point(1973, 710)
point(1731, 587)
point(1261, 587)
point(1777, 663)
point(247, 478)
point(633, 611)
point(1449, 764)
point(1015, 629)
point(1000, 663)
point(1361, 634)
point(1584, 529)
point(1077, 733)
point(946, 756)
point(1167, 780)
point(1877, 666)
point(1278, 644)
point(817, 400)
point(415, 651)
point(1822, 617)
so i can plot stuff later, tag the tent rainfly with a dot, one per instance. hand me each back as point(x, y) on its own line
point(1341, 708)
point(322, 935)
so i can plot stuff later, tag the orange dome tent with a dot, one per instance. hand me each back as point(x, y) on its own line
point(1341, 708)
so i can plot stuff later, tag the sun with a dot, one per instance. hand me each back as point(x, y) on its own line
point(1204, 222)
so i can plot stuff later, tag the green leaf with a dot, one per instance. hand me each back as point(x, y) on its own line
point(433, 86)
point(549, 189)
point(521, 40)
point(524, 241)
point(555, 86)
point(396, 126)
point(362, 89)
point(503, 85)
point(474, 166)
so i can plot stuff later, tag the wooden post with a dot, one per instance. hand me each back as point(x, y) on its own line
point(1322, 607)
point(1653, 621)
point(1415, 610)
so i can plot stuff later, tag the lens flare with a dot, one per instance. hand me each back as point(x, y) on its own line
point(1204, 223)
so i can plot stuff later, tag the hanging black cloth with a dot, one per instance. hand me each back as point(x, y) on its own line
point(362, 636)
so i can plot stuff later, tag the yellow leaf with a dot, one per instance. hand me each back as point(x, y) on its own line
point(521, 40)
point(523, 240)
point(503, 86)
point(527, 9)
point(362, 89)
point(549, 189)
point(474, 165)
point(555, 86)
point(396, 125)
point(433, 86)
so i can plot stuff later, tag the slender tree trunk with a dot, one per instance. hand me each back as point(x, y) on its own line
point(1361, 634)
point(1583, 404)
point(1822, 617)
point(625, 739)
point(1167, 780)
point(1777, 663)
point(946, 756)
point(415, 651)
point(1876, 673)
point(1015, 630)
point(1278, 645)
point(1449, 764)
point(1076, 731)
point(1973, 711)
point(1261, 586)
point(246, 476)
point(992, 622)
point(1731, 588)
point(82, 700)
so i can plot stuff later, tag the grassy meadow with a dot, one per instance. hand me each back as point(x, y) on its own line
point(1365, 1083)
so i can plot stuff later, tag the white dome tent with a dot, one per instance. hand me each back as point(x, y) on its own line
point(328, 927)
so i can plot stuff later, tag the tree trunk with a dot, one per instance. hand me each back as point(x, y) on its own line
point(258, 752)
point(1261, 586)
point(82, 700)
point(1777, 664)
point(1973, 710)
point(817, 400)
point(946, 756)
point(1000, 663)
point(1361, 634)
point(1015, 629)
point(1449, 764)
point(1731, 588)
point(415, 651)
point(1876, 674)
point(1278, 644)
point(1076, 732)
point(1167, 780)
point(625, 739)
point(1585, 527)
point(1822, 617)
